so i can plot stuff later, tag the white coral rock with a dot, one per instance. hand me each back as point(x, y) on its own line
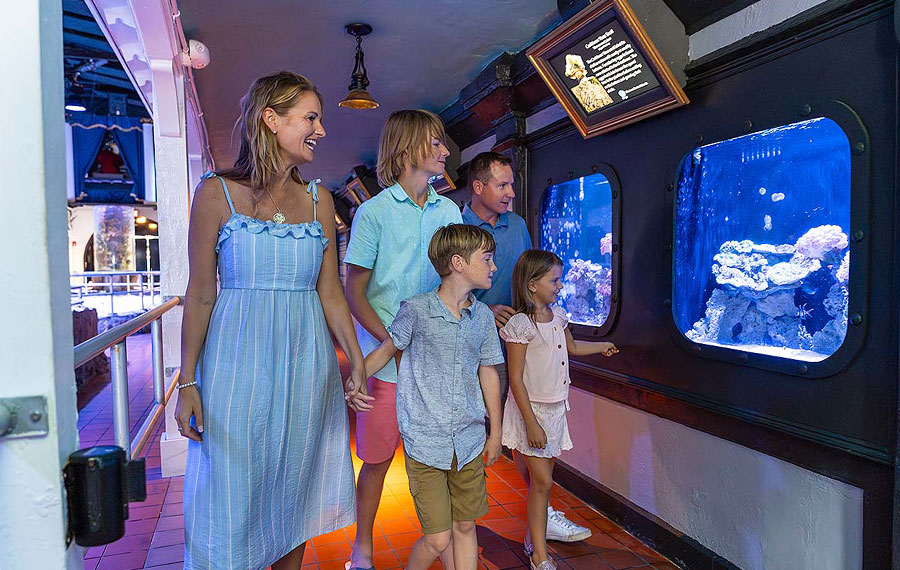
point(820, 240)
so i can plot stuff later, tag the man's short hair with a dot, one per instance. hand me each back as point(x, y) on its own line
point(480, 166)
point(457, 239)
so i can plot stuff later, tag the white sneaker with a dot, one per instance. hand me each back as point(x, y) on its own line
point(562, 529)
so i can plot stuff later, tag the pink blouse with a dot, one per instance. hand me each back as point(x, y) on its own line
point(547, 359)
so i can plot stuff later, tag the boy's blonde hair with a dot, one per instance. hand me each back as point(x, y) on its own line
point(457, 239)
point(531, 265)
point(406, 141)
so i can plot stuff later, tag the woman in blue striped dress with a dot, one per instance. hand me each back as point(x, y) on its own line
point(269, 463)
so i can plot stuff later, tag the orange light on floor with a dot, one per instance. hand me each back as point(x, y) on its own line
point(152, 226)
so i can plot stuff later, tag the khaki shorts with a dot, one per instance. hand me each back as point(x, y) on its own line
point(442, 497)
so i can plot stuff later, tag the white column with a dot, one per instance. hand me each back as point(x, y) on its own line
point(173, 206)
point(70, 165)
point(36, 339)
point(149, 164)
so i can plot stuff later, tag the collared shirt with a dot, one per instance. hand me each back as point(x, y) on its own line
point(390, 236)
point(511, 234)
point(440, 407)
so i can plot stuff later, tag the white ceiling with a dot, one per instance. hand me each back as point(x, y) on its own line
point(420, 54)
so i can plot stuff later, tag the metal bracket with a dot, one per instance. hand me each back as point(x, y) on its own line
point(23, 417)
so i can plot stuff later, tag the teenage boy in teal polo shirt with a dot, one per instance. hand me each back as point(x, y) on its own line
point(388, 262)
point(491, 181)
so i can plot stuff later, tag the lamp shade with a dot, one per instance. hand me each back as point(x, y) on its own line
point(358, 99)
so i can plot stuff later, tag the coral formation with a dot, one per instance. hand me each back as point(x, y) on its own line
point(778, 295)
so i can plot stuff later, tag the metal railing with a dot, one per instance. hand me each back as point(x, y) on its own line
point(114, 339)
point(94, 283)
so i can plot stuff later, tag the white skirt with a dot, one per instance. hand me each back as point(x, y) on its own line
point(552, 418)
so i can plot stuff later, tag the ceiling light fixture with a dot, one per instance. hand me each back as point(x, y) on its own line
point(76, 108)
point(358, 98)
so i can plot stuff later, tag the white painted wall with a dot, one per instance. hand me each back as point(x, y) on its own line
point(36, 354)
point(754, 18)
point(174, 191)
point(759, 512)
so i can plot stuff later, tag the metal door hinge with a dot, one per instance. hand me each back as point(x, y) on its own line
point(23, 417)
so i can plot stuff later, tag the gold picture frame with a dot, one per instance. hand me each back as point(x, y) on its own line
point(604, 70)
point(442, 183)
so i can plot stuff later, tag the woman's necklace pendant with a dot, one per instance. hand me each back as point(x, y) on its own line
point(278, 218)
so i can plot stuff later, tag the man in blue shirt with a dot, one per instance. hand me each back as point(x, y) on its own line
point(491, 181)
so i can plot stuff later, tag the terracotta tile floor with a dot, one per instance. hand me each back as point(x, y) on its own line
point(154, 533)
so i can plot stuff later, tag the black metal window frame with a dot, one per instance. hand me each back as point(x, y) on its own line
point(580, 329)
point(859, 241)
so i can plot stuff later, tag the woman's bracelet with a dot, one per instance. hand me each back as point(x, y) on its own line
point(186, 384)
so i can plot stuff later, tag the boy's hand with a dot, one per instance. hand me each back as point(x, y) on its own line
point(491, 450)
point(609, 349)
point(356, 393)
point(536, 436)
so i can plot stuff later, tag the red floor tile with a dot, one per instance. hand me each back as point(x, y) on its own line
point(168, 538)
point(620, 559)
point(130, 561)
point(405, 540)
point(400, 526)
point(134, 543)
point(502, 559)
point(165, 555)
point(586, 562)
point(327, 552)
point(170, 523)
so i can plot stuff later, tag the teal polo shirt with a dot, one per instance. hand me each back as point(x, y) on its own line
point(390, 236)
point(511, 234)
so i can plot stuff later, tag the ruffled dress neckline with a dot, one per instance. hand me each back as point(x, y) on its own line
point(256, 226)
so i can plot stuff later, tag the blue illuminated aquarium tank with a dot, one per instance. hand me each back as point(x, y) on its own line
point(761, 257)
point(576, 225)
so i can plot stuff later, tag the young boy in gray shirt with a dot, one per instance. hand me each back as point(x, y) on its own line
point(445, 381)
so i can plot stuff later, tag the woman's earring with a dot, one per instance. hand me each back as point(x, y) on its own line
point(274, 132)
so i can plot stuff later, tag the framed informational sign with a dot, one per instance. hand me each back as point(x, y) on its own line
point(604, 70)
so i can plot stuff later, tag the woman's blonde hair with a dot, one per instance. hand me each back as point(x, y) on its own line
point(259, 161)
point(531, 265)
point(406, 140)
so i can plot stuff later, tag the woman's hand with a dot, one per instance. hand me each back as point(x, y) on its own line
point(189, 406)
point(536, 436)
point(356, 392)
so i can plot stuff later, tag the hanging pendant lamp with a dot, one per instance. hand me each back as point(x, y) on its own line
point(358, 98)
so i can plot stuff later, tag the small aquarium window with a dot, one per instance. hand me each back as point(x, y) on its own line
point(576, 225)
point(761, 261)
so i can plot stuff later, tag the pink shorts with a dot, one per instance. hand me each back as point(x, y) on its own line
point(377, 434)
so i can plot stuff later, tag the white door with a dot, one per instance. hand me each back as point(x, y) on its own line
point(36, 332)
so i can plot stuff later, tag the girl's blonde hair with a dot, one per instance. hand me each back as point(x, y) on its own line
point(531, 265)
point(258, 161)
point(406, 141)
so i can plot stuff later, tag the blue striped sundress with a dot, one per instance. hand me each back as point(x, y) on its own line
point(274, 468)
